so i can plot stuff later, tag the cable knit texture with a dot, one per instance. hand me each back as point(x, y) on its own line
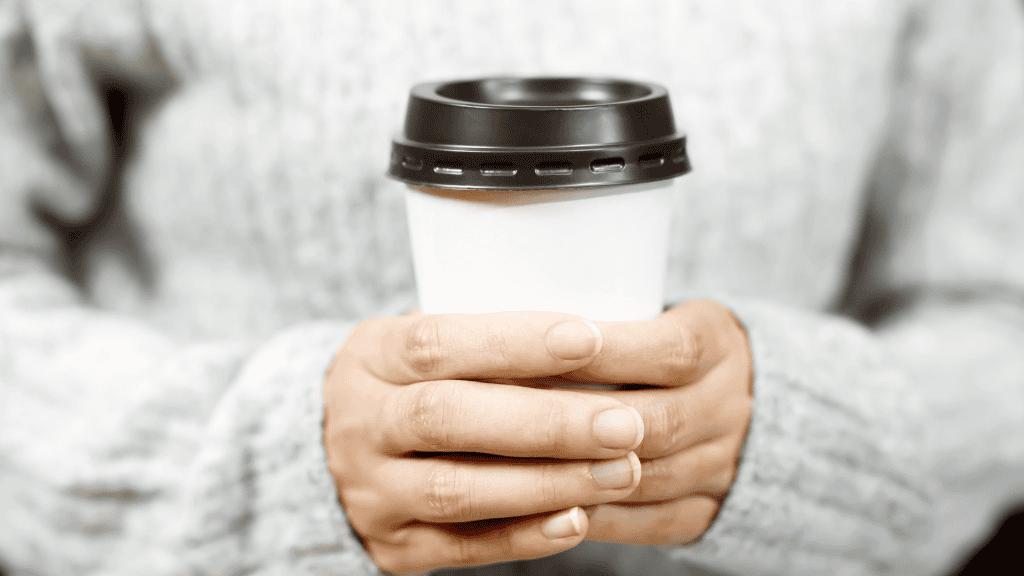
point(870, 495)
point(161, 395)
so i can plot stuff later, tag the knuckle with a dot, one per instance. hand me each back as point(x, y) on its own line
point(551, 438)
point(665, 424)
point(501, 344)
point(423, 349)
point(433, 414)
point(507, 547)
point(547, 486)
point(464, 552)
point(684, 353)
point(461, 554)
point(497, 546)
point(447, 496)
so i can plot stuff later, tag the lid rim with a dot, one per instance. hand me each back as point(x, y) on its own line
point(447, 140)
point(401, 139)
point(429, 91)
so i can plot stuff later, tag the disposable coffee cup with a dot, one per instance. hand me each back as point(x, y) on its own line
point(540, 194)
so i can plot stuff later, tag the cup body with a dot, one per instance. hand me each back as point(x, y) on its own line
point(600, 253)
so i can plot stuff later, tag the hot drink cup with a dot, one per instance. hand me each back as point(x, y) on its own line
point(540, 194)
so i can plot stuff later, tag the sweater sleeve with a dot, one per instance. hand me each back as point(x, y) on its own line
point(124, 450)
point(891, 444)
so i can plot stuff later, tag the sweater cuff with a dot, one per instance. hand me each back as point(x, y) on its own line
point(269, 497)
point(831, 478)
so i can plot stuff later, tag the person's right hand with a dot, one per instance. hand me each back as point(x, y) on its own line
point(435, 471)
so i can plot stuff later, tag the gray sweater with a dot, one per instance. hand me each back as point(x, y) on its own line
point(169, 302)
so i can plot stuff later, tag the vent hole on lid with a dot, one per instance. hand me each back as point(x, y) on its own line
point(651, 160)
point(607, 165)
point(553, 169)
point(412, 163)
point(449, 169)
point(498, 170)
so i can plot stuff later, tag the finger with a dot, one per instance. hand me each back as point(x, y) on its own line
point(684, 419)
point(424, 547)
point(676, 419)
point(677, 347)
point(673, 522)
point(449, 491)
point(706, 469)
point(465, 416)
point(421, 347)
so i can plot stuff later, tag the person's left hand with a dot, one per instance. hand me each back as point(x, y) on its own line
point(694, 367)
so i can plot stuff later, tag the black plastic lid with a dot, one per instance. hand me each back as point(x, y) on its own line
point(538, 133)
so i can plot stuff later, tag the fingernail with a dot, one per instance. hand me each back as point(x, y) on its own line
point(617, 473)
point(619, 428)
point(574, 340)
point(562, 526)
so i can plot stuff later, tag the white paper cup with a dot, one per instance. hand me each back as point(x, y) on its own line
point(600, 253)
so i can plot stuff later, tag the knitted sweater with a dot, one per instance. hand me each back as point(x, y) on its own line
point(193, 215)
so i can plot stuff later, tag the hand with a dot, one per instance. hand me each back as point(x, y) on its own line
point(696, 416)
point(436, 471)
